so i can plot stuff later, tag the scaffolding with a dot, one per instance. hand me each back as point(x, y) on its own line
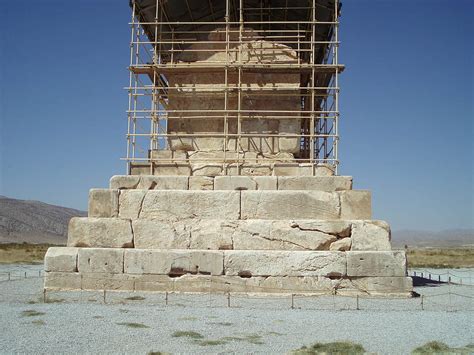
point(240, 70)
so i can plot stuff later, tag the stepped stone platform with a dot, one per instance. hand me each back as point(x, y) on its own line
point(246, 234)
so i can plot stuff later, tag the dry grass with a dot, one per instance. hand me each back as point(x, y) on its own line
point(436, 347)
point(12, 253)
point(441, 257)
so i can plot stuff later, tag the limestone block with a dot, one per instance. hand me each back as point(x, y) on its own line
point(338, 228)
point(201, 183)
point(356, 204)
point(319, 183)
point(245, 183)
point(156, 283)
point(100, 233)
point(177, 205)
point(212, 234)
point(156, 234)
point(108, 281)
point(289, 204)
point(277, 157)
point(206, 169)
point(130, 203)
point(258, 234)
point(343, 244)
point(168, 156)
point(105, 260)
point(371, 235)
point(384, 285)
point(124, 182)
point(171, 169)
point(249, 169)
point(140, 169)
point(149, 182)
point(323, 170)
point(292, 169)
point(62, 281)
point(161, 155)
point(284, 263)
point(103, 203)
point(62, 259)
point(376, 263)
point(173, 262)
point(214, 157)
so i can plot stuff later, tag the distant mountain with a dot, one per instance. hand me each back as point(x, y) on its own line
point(445, 238)
point(34, 222)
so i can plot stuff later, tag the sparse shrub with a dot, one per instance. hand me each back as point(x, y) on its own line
point(187, 334)
point(134, 325)
point(335, 348)
point(32, 313)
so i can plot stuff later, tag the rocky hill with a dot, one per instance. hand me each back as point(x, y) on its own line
point(34, 221)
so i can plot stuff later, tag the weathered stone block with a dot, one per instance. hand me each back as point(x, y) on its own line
point(201, 183)
point(245, 183)
point(258, 234)
point(177, 205)
point(100, 233)
point(292, 169)
point(103, 203)
point(206, 169)
point(212, 234)
point(173, 262)
point(343, 244)
point(171, 169)
point(376, 263)
point(370, 235)
point(156, 234)
point(284, 263)
point(384, 285)
point(102, 260)
point(61, 259)
point(130, 203)
point(124, 182)
point(62, 281)
point(108, 281)
point(356, 204)
point(338, 228)
point(156, 283)
point(249, 169)
point(289, 204)
point(148, 182)
point(318, 183)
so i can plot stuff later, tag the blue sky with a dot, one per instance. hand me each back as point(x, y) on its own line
point(406, 103)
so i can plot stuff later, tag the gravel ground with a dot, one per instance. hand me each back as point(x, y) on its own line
point(81, 323)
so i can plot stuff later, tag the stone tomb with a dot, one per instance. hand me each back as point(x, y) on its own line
point(213, 217)
point(263, 234)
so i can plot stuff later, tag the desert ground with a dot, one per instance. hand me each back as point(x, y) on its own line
point(144, 323)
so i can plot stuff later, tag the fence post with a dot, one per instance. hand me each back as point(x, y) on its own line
point(44, 295)
point(292, 301)
point(25, 274)
point(422, 305)
point(9, 278)
point(449, 280)
point(429, 276)
point(104, 296)
point(414, 273)
point(357, 302)
point(39, 273)
point(439, 278)
point(228, 299)
point(166, 298)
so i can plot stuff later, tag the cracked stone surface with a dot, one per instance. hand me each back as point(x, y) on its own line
point(290, 204)
point(284, 263)
point(100, 232)
point(177, 205)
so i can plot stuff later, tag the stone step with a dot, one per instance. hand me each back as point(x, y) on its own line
point(234, 169)
point(150, 182)
point(230, 205)
point(244, 263)
point(226, 271)
point(219, 234)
